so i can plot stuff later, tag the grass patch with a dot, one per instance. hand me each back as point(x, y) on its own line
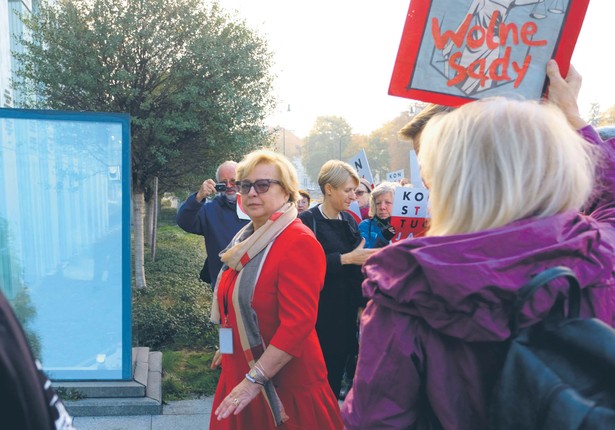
point(186, 374)
point(172, 314)
point(69, 393)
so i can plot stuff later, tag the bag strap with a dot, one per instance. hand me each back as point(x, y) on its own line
point(540, 280)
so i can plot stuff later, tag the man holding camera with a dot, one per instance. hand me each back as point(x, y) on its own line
point(216, 220)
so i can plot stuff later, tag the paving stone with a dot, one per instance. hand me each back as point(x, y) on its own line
point(113, 407)
point(143, 422)
point(180, 422)
point(188, 407)
point(104, 388)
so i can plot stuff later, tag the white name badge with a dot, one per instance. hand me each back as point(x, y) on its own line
point(226, 340)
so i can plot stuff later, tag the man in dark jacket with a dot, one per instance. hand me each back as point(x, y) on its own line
point(27, 401)
point(216, 220)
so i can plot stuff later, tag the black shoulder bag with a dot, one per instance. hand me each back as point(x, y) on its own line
point(559, 373)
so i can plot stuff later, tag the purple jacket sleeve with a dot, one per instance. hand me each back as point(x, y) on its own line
point(602, 207)
point(386, 384)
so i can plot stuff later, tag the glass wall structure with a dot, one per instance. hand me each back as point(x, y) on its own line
point(65, 238)
point(11, 29)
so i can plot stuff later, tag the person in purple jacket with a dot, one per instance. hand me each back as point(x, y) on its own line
point(514, 189)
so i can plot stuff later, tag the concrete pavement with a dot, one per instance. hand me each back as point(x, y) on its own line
point(176, 415)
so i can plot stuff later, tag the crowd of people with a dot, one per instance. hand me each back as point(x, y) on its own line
point(514, 188)
point(305, 296)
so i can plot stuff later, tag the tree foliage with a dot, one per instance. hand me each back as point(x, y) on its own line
point(377, 153)
point(196, 83)
point(329, 139)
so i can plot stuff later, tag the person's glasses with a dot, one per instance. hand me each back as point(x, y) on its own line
point(229, 182)
point(360, 193)
point(260, 185)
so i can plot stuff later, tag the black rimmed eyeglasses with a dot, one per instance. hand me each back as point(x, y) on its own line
point(260, 185)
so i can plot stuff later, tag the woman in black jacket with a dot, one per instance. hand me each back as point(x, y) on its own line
point(340, 298)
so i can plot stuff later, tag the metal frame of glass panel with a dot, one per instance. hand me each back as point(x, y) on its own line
point(65, 238)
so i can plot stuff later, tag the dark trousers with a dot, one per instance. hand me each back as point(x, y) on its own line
point(336, 364)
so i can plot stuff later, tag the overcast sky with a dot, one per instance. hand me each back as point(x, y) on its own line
point(335, 57)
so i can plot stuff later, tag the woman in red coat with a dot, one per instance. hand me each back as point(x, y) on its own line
point(266, 302)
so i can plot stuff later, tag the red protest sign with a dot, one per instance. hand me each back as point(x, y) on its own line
point(408, 227)
point(455, 51)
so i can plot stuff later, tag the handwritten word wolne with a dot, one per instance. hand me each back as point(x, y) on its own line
point(477, 37)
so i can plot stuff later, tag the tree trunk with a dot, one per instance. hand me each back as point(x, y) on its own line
point(138, 203)
point(148, 225)
point(155, 204)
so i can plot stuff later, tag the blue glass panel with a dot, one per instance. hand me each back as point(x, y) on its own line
point(65, 238)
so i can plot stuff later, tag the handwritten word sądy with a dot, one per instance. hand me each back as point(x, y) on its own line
point(497, 35)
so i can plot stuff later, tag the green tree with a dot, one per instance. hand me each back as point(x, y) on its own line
point(377, 153)
point(196, 83)
point(329, 139)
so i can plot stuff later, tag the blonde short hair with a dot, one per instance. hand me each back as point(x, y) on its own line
point(336, 173)
point(286, 171)
point(495, 161)
point(381, 188)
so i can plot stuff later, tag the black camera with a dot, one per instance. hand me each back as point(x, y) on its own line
point(220, 187)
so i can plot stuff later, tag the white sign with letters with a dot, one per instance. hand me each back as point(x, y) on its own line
point(395, 176)
point(359, 162)
point(411, 202)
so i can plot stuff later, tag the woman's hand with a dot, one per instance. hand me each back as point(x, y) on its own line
point(358, 255)
point(564, 92)
point(217, 360)
point(238, 399)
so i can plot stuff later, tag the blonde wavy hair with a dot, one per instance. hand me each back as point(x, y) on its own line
point(285, 169)
point(495, 161)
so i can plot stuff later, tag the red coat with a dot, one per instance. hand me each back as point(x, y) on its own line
point(286, 303)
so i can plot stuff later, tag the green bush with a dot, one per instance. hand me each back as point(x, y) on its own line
point(172, 312)
point(154, 324)
point(167, 215)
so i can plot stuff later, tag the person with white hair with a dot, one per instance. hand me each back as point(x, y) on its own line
point(216, 219)
point(516, 187)
point(377, 230)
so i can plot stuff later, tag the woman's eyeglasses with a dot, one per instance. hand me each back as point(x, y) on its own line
point(360, 192)
point(260, 185)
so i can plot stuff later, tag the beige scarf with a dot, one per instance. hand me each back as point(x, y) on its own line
point(246, 254)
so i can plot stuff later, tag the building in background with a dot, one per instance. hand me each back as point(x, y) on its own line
point(11, 25)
